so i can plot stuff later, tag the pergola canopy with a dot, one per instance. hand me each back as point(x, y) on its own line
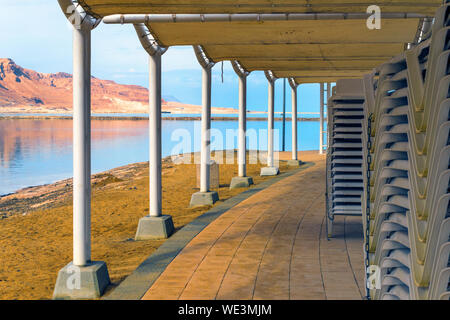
point(108, 7)
point(346, 47)
point(308, 50)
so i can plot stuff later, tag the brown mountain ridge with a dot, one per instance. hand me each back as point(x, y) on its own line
point(27, 91)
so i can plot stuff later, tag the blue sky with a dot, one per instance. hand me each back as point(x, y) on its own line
point(36, 35)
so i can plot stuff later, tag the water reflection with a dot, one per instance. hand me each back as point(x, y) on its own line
point(34, 152)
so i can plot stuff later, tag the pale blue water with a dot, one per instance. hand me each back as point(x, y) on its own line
point(35, 152)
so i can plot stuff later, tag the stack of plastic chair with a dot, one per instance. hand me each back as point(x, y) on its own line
point(409, 225)
point(345, 152)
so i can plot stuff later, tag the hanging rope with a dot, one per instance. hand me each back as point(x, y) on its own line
point(222, 71)
point(367, 244)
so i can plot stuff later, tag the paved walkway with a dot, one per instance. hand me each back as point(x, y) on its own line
point(271, 246)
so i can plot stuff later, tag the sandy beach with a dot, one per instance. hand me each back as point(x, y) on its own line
point(36, 222)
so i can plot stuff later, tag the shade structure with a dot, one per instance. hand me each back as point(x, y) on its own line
point(309, 41)
point(317, 47)
point(108, 7)
point(314, 46)
point(288, 48)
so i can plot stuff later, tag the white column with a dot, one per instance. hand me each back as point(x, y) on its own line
point(155, 134)
point(326, 102)
point(328, 92)
point(81, 146)
point(206, 126)
point(321, 118)
point(242, 126)
point(270, 123)
point(294, 122)
point(95, 276)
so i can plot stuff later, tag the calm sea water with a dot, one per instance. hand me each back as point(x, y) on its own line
point(35, 152)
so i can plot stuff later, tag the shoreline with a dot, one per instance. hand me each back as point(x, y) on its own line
point(42, 196)
point(138, 118)
point(37, 197)
point(37, 238)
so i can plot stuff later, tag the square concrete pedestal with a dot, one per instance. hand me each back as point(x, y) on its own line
point(81, 282)
point(241, 182)
point(269, 171)
point(294, 163)
point(204, 198)
point(155, 228)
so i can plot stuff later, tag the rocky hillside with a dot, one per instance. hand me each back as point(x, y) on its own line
point(23, 91)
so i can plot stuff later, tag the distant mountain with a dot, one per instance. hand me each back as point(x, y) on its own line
point(27, 91)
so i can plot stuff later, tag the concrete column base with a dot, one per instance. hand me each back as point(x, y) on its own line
point(81, 282)
point(269, 171)
point(204, 198)
point(241, 182)
point(294, 163)
point(154, 228)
